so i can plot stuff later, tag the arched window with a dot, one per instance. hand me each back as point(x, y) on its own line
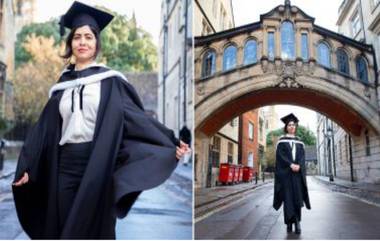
point(304, 46)
point(229, 58)
point(361, 69)
point(250, 52)
point(208, 63)
point(271, 46)
point(324, 55)
point(287, 40)
point(342, 59)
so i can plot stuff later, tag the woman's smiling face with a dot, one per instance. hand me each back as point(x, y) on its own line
point(84, 44)
point(291, 128)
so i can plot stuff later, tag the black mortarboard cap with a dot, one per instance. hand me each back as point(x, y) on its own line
point(80, 14)
point(289, 118)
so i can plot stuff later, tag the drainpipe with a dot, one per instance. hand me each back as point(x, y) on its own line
point(165, 63)
point(351, 160)
point(185, 65)
point(333, 148)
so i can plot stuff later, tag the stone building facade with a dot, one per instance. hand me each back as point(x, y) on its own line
point(146, 84)
point(359, 20)
point(175, 77)
point(211, 16)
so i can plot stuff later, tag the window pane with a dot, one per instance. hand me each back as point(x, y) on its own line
point(229, 58)
point(304, 46)
point(324, 55)
point(356, 24)
point(271, 45)
point(250, 52)
point(287, 40)
point(208, 65)
point(250, 159)
point(342, 58)
point(250, 131)
point(361, 69)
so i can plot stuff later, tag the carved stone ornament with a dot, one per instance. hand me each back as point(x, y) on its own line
point(264, 64)
point(287, 73)
point(289, 83)
point(200, 88)
point(366, 92)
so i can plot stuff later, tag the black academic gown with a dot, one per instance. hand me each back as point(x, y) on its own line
point(131, 152)
point(290, 188)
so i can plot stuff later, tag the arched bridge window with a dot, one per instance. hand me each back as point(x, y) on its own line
point(304, 47)
point(361, 69)
point(250, 52)
point(324, 55)
point(229, 58)
point(342, 59)
point(208, 63)
point(287, 40)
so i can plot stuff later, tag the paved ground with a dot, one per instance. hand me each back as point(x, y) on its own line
point(161, 213)
point(333, 216)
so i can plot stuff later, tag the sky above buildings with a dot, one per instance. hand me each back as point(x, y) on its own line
point(325, 13)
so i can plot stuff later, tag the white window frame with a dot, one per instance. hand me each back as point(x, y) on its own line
point(250, 131)
point(356, 23)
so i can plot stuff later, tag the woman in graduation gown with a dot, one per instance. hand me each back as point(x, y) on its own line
point(93, 149)
point(290, 186)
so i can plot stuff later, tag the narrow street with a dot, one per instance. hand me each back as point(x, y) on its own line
point(333, 216)
point(167, 207)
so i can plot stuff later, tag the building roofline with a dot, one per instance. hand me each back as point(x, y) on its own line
point(201, 40)
point(326, 32)
point(204, 40)
point(262, 16)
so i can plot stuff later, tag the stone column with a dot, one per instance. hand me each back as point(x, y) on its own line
point(298, 42)
point(312, 49)
point(264, 49)
point(277, 41)
point(202, 143)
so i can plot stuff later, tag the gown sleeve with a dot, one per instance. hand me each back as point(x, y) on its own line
point(147, 155)
point(281, 156)
point(33, 149)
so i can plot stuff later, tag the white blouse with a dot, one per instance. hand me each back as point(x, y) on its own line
point(293, 146)
point(79, 125)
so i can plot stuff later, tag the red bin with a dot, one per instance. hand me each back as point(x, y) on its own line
point(226, 173)
point(247, 174)
point(236, 174)
point(241, 171)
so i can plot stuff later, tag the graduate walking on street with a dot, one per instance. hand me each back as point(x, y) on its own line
point(93, 149)
point(290, 188)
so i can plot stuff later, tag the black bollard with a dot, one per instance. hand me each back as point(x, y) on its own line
point(263, 177)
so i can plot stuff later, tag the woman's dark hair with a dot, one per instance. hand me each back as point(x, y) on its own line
point(286, 125)
point(69, 51)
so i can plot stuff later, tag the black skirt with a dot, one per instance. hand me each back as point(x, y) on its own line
point(73, 161)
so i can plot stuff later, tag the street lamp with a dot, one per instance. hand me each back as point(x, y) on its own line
point(329, 135)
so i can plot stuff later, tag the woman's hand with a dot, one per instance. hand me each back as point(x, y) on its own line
point(22, 181)
point(295, 167)
point(182, 150)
